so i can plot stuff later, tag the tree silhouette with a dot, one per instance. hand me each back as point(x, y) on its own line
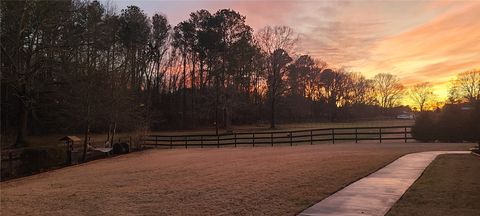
point(421, 94)
point(388, 89)
point(275, 80)
point(466, 87)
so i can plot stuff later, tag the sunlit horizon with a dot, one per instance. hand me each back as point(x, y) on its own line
point(416, 40)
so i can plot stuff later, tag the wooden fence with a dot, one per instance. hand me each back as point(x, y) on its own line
point(311, 136)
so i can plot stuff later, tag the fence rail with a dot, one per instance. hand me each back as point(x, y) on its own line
point(311, 136)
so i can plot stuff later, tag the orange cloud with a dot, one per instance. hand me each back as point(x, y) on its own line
point(433, 52)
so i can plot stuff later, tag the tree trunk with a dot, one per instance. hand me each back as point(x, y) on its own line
point(87, 131)
point(85, 141)
point(201, 75)
point(193, 95)
point(272, 114)
point(274, 94)
point(113, 134)
point(22, 126)
point(216, 103)
point(184, 101)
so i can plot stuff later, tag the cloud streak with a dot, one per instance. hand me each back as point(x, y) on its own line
point(435, 51)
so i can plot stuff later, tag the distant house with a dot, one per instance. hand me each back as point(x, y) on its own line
point(406, 115)
point(460, 106)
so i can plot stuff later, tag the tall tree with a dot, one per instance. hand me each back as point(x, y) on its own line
point(28, 42)
point(232, 28)
point(275, 79)
point(362, 91)
point(299, 73)
point(276, 42)
point(133, 34)
point(334, 88)
point(421, 95)
point(466, 87)
point(158, 47)
point(388, 89)
point(184, 34)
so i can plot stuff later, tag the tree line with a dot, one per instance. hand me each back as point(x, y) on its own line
point(87, 68)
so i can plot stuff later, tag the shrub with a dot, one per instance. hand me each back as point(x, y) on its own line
point(424, 130)
point(39, 158)
point(455, 123)
point(452, 124)
point(473, 125)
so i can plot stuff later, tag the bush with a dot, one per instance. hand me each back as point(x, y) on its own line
point(473, 125)
point(120, 148)
point(39, 158)
point(455, 123)
point(424, 130)
point(452, 124)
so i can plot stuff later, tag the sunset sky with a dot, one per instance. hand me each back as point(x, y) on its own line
point(417, 40)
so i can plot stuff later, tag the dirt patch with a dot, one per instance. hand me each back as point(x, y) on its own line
point(225, 181)
point(449, 186)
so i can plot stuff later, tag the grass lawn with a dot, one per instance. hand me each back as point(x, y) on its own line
point(297, 126)
point(375, 123)
point(225, 181)
point(449, 186)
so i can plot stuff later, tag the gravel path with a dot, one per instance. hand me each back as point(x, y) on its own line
point(241, 181)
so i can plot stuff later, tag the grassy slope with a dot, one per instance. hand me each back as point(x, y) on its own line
point(449, 186)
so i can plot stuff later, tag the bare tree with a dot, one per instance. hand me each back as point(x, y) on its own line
point(388, 89)
point(276, 42)
point(362, 90)
point(275, 83)
point(277, 37)
point(335, 87)
point(421, 94)
point(466, 87)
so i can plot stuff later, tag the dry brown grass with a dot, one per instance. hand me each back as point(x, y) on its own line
point(449, 186)
point(296, 126)
point(225, 181)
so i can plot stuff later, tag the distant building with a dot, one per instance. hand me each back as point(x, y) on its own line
point(460, 106)
point(406, 115)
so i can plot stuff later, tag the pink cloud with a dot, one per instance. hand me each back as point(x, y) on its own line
point(440, 48)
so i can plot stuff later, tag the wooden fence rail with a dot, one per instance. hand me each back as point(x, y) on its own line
point(291, 137)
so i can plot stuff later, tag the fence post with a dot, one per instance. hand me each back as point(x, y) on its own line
point(311, 137)
point(271, 139)
point(356, 135)
point(171, 142)
point(201, 141)
point(235, 138)
point(218, 141)
point(380, 130)
point(405, 134)
point(333, 135)
point(253, 139)
point(291, 144)
point(156, 138)
point(186, 140)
